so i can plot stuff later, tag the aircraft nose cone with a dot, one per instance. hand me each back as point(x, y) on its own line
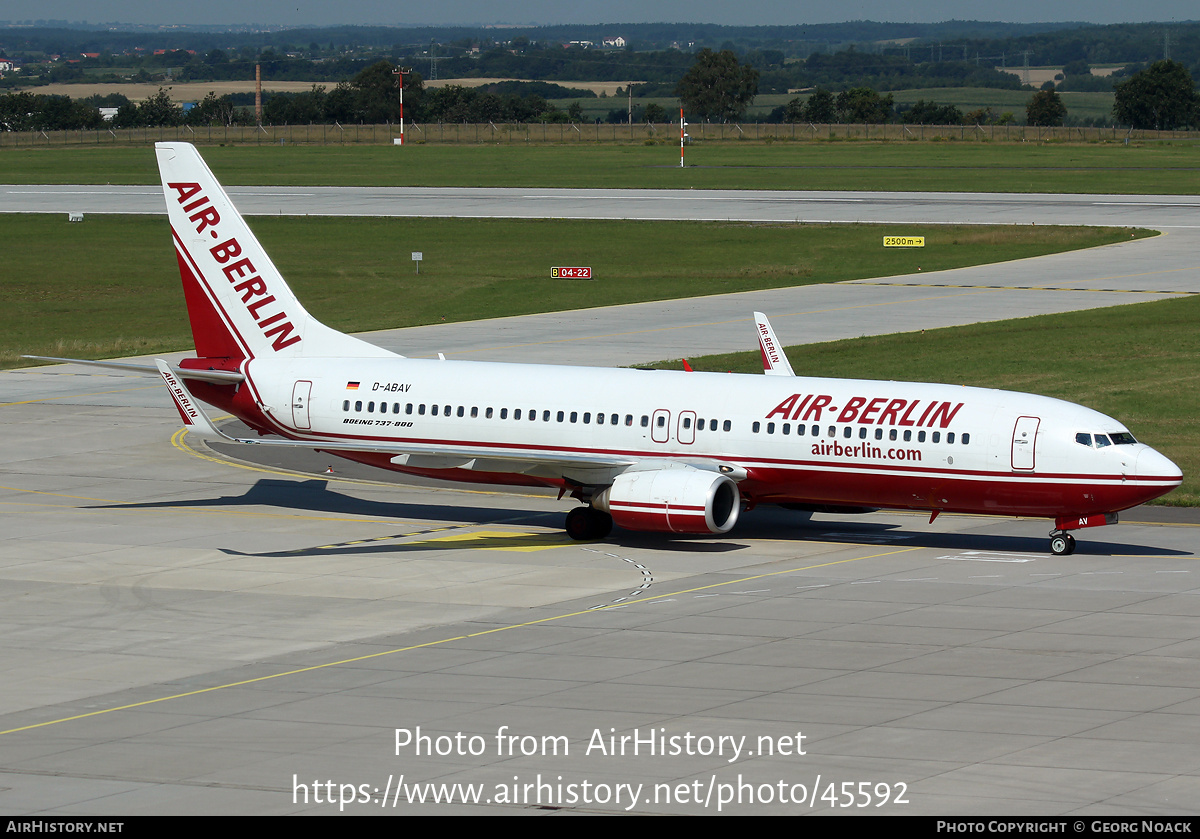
point(1151, 464)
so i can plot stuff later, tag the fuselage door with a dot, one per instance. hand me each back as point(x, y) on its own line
point(660, 426)
point(686, 433)
point(300, 395)
point(1024, 442)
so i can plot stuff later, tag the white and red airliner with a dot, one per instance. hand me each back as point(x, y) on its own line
point(665, 451)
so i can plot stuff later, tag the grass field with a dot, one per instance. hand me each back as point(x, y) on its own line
point(1145, 371)
point(1162, 168)
point(110, 287)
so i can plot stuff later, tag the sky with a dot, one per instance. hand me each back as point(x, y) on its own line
point(525, 12)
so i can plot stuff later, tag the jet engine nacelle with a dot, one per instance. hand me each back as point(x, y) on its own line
point(680, 500)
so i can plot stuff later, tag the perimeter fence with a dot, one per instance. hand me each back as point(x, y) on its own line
point(568, 133)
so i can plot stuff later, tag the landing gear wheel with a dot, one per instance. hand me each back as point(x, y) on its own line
point(587, 523)
point(1062, 544)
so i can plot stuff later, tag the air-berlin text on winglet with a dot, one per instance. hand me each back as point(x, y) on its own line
point(768, 345)
point(183, 399)
point(878, 411)
point(202, 214)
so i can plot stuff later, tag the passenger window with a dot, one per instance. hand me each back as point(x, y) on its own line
point(937, 437)
point(728, 424)
point(395, 407)
point(358, 406)
point(770, 428)
point(756, 427)
point(504, 413)
point(645, 421)
point(370, 407)
point(487, 414)
point(878, 433)
point(966, 438)
point(787, 428)
point(892, 434)
point(629, 419)
point(599, 419)
point(949, 436)
point(408, 408)
point(799, 430)
point(574, 416)
point(687, 422)
point(907, 435)
point(461, 410)
point(474, 412)
point(587, 417)
point(832, 431)
point(847, 431)
point(920, 436)
point(614, 419)
point(346, 405)
point(862, 433)
point(517, 414)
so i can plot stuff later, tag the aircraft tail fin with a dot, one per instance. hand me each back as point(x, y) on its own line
point(775, 361)
point(238, 302)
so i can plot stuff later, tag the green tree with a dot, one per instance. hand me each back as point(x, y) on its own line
point(1162, 96)
point(861, 104)
point(377, 94)
point(717, 87)
point(160, 109)
point(655, 113)
point(820, 107)
point(1045, 108)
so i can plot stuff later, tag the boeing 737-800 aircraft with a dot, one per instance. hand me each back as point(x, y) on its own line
point(652, 451)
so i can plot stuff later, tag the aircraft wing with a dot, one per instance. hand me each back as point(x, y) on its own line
point(221, 377)
point(775, 361)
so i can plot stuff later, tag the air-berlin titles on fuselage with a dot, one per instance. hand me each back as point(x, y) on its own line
point(202, 214)
point(878, 411)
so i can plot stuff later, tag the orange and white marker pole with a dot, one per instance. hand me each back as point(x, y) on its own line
point(399, 71)
point(682, 135)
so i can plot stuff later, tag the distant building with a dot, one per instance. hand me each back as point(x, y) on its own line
point(617, 43)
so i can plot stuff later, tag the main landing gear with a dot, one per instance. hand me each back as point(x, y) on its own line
point(1061, 544)
point(585, 524)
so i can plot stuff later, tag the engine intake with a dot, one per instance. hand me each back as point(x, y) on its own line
point(682, 500)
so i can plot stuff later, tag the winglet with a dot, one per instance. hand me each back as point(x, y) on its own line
point(193, 416)
point(775, 362)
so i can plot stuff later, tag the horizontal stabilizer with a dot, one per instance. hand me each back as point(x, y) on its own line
point(220, 377)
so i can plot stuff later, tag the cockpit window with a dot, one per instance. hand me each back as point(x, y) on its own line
point(1083, 439)
point(1102, 441)
point(1122, 438)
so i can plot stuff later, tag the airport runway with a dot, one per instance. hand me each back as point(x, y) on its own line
point(185, 633)
point(1157, 211)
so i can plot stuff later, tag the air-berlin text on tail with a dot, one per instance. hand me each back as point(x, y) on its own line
point(240, 272)
point(878, 411)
